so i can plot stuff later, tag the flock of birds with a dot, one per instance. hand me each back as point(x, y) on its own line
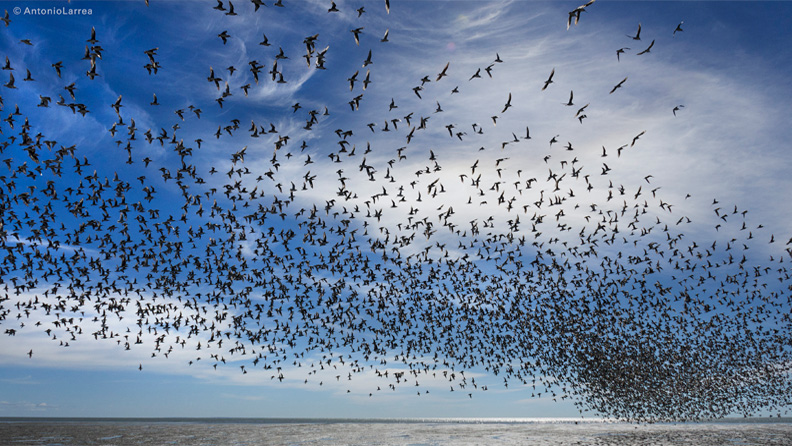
point(567, 283)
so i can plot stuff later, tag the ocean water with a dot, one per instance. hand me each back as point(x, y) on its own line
point(221, 432)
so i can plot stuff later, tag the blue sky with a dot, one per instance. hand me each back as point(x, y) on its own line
point(728, 69)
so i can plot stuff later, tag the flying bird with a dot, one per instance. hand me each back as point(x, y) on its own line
point(508, 104)
point(617, 86)
point(443, 72)
point(93, 39)
point(357, 32)
point(677, 29)
point(647, 48)
point(637, 35)
point(10, 83)
point(230, 9)
point(576, 13)
point(636, 138)
point(549, 80)
point(569, 102)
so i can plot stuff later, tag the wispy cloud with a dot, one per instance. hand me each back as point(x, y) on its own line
point(23, 407)
point(22, 381)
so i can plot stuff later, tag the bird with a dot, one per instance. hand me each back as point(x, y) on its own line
point(357, 32)
point(637, 35)
point(617, 86)
point(549, 80)
point(93, 39)
point(442, 72)
point(569, 103)
point(10, 83)
point(58, 65)
point(367, 79)
point(647, 49)
point(677, 29)
point(636, 138)
point(230, 9)
point(352, 81)
point(576, 13)
point(619, 52)
point(508, 104)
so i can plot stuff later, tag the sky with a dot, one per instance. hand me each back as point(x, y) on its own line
point(704, 113)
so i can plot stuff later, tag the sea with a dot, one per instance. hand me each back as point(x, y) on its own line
point(502, 431)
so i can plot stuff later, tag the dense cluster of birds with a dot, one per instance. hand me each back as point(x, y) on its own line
point(392, 257)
